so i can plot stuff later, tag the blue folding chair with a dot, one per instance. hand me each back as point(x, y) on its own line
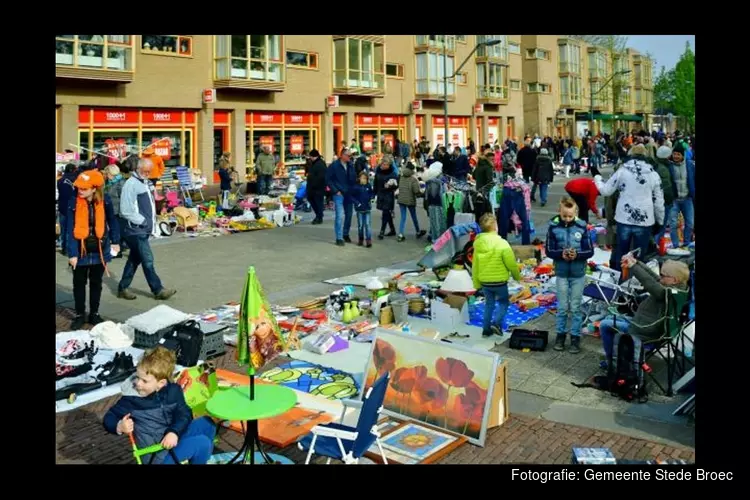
point(346, 443)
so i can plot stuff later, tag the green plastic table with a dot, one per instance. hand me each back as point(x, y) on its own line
point(234, 404)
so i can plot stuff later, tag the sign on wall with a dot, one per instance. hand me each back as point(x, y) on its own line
point(388, 139)
point(163, 148)
point(266, 140)
point(117, 148)
point(209, 96)
point(296, 144)
point(367, 142)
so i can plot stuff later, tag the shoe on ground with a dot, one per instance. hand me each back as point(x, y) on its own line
point(486, 334)
point(340, 243)
point(361, 243)
point(575, 345)
point(496, 331)
point(315, 222)
point(369, 244)
point(164, 294)
point(421, 233)
point(559, 342)
point(533, 200)
point(95, 319)
point(543, 204)
point(78, 322)
point(401, 237)
point(126, 294)
point(347, 239)
point(381, 236)
point(391, 233)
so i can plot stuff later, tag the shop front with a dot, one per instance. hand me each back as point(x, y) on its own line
point(493, 132)
point(338, 133)
point(458, 130)
point(289, 135)
point(127, 130)
point(374, 132)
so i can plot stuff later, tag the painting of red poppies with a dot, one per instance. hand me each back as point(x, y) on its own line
point(445, 385)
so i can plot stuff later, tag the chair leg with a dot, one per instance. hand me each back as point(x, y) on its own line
point(382, 453)
point(328, 461)
point(312, 449)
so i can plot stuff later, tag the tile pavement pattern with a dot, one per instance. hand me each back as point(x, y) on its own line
point(81, 439)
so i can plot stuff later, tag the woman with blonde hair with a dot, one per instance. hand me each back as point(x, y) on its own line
point(93, 235)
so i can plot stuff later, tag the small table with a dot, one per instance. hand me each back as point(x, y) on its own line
point(234, 404)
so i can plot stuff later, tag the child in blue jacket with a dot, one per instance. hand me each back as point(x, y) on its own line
point(362, 196)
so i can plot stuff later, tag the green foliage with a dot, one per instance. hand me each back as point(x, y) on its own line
point(674, 90)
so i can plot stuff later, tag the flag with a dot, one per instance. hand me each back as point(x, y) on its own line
point(259, 338)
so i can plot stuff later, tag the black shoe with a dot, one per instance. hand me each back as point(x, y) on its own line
point(486, 335)
point(575, 345)
point(95, 319)
point(533, 200)
point(401, 237)
point(122, 368)
point(559, 342)
point(78, 322)
point(391, 233)
point(543, 204)
point(381, 236)
point(421, 233)
point(347, 239)
point(316, 222)
point(495, 330)
point(361, 242)
point(109, 365)
point(340, 243)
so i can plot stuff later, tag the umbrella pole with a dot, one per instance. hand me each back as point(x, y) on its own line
point(251, 374)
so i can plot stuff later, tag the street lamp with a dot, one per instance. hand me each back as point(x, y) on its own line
point(488, 43)
point(602, 87)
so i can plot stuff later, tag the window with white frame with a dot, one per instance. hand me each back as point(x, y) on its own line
point(570, 58)
point(492, 81)
point(437, 41)
point(623, 102)
point(461, 38)
point(514, 47)
point(301, 59)
point(249, 57)
point(570, 91)
point(536, 87)
point(597, 64)
point(430, 75)
point(167, 45)
point(462, 78)
point(105, 52)
point(515, 85)
point(499, 51)
point(358, 63)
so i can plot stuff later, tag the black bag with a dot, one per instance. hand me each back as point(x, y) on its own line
point(535, 340)
point(625, 373)
point(186, 340)
point(91, 244)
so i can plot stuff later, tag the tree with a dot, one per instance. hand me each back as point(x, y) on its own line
point(664, 92)
point(684, 86)
point(615, 47)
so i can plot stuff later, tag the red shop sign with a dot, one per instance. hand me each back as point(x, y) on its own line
point(457, 121)
point(338, 119)
point(114, 116)
point(117, 148)
point(266, 140)
point(163, 148)
point(162, 117)
point(367, 120)
point(438, 120)
point(296, 119)
point(388, 139)
point(388, 120)
point(296, 144)
point(367, 142)
point(267, 118)
point(221, 117)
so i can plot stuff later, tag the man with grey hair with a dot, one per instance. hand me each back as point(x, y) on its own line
point(265, 164)
point(138, 213)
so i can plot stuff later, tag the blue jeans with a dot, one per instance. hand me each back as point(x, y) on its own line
point(196, 444)
point(364, 223)
point(342, 221)
point(569, 297)
point(607, 332)
point(140, 254)
point(513, 201)
point(542, 192)
point(264, 183)
point(402, 222)
point(639, 236)
point(686, 207)
point(494, 294)
point(64, 233)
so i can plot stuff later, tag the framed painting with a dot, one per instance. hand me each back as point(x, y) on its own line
point(448, 386)
point(412, 443)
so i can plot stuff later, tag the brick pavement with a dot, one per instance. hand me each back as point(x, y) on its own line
point(80, 437)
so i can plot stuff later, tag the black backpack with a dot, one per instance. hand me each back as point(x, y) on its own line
point(625, 375)
point(186, 340)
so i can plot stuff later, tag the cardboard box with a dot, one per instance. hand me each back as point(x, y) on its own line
point(499, 404)
point(451, 313)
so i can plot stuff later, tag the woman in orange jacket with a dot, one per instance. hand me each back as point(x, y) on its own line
point(159, 166)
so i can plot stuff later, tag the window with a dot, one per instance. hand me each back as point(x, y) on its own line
point(638, 75)
point(601, 97)
point(570, 91)
point(300, 59)
point(358, 64)
point(621, 65)
point(638, 99)
point(430, 74)
point(492, 81)
point(537, 54)
point(167, 45)
point(515, 85)
point(462, 78)
point(536, 87)
point(394, 70)
point(437, 41)
point(623, 102)
point(514, 47)
point(105, 52)
point(461, 38)
point(499, 51)
point(249, 57)
point(570, 58)
point(597, 64)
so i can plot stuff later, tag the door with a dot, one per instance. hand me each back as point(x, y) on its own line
point(511, 128)
point(336, 141)
point(221, 144)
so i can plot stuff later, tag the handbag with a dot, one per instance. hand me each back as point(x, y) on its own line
point(186, 340)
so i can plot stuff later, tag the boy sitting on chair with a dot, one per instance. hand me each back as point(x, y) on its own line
point(153, 409)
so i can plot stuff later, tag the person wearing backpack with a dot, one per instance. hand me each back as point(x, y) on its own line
point(648, 321)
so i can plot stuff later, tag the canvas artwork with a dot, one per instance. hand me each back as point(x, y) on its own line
point(314, 379)
point(412, 443)
point(445, 385)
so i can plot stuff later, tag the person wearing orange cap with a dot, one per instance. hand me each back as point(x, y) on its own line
point(158, 170)
point(93, 236)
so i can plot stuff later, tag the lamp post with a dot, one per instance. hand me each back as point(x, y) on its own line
point(488, 43)
point(602, 87)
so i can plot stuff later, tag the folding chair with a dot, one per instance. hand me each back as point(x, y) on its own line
point(602, 287)
point(187, 186)
point(346, 443)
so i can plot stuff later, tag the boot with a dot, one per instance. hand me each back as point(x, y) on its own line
point(347, 239)
point(340, 243)
point(381, 235)
point(392, 232)
point(575, 344)
point(369, 243)
point(126, 294)
point(560, 342)
point(421, 233)
point(361, 242)
point(78, 322)
point(164, 294)
point(401, 237)
point(95, 319)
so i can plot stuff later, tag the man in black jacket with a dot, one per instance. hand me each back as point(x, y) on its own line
point(526, 158)
point(542, 175)
point(316, 185)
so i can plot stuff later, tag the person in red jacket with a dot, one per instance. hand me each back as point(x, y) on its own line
point(584, 192)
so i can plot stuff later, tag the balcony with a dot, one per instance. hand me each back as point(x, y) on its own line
point(492, 53)
point(622, 106)
point(95, 57)
point(568, 68)
point(435, 43)
point(492, 94)
point(359, 66)
point(571, 101)
point(597, 74)
point(253, 62)
point(352, 82)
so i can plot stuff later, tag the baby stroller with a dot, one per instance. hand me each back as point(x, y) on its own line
point(236, 196)
point(300, 201)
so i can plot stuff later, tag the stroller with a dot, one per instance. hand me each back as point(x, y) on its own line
point(300, 201)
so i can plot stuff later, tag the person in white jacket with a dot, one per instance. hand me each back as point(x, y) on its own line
point(640, 206)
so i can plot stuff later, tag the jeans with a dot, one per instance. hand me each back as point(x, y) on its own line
point(513, 200)
point(542, 192)
point(387, 220)
point(569, 297)
point(140, 254)
point(93, 274)
point(684, 205)
point(402, 222)
point(64, 233)
point(343, 219)
point(607, 332)
point(364, 225)
point(264, 183)
point(196, 444)
point(639, 236)
point(492, 295)
point(316, 202)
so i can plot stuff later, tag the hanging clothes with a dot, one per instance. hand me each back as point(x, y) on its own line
point(452, 200)
point(513, 201)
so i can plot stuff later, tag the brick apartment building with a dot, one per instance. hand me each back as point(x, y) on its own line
point(217, 93)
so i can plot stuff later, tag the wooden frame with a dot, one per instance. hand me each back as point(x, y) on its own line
point(247, 82)
point(378, 74)
point(311, 56)
point(179, 52)
point(68, 65)
point(393, 456)
point(399, 71)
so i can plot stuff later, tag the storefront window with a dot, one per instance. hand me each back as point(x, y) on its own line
point(262, 138)
point(388, 136)
point(83, 141)
point(177, 147)
point(368, 141)
point(129, 140)
point(296, 144)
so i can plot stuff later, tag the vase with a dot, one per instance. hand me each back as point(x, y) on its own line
point(355, 310)
point(346, 317)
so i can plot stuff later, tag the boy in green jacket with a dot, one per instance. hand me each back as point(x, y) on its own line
point(494, 263)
